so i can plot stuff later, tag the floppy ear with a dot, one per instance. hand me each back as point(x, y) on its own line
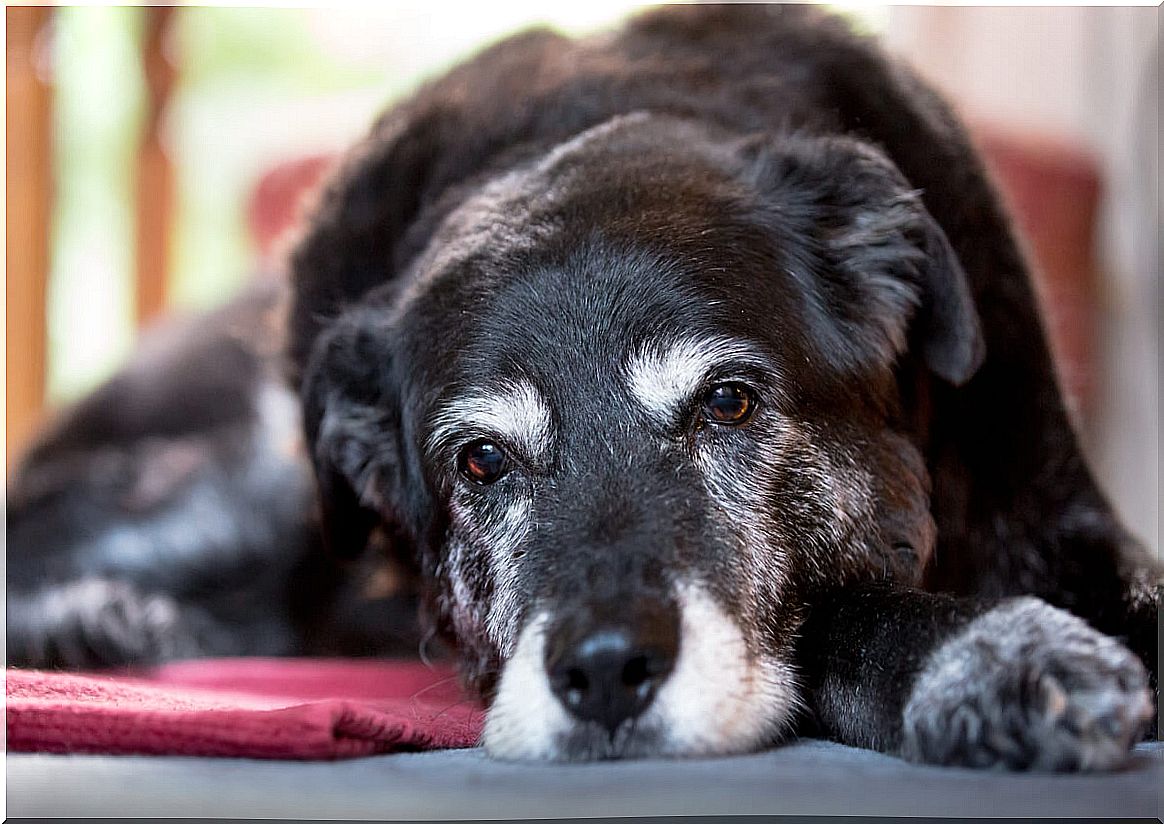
point(948, 326)
point(349, 244)
point(890, 278)
point(351, 421)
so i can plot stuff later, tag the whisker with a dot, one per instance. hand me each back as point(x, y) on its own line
point(422, 648)
point(451, 706)
point(432, 686)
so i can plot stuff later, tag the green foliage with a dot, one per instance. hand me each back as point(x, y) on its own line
point(270, 48)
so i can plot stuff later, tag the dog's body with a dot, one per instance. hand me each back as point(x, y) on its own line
point(169, 514)
point(695, 374)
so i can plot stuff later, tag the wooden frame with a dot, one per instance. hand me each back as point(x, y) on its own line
point(28, 155)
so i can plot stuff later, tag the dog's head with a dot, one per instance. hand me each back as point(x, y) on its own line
point(633, 404)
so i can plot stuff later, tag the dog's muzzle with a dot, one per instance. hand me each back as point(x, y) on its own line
point(606, 662)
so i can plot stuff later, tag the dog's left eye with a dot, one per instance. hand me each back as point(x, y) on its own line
point(729, 404)
point(482, 462)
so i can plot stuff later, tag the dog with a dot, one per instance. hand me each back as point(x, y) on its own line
point(691, 378)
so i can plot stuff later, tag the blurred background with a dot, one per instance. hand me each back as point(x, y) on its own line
point(155, 157)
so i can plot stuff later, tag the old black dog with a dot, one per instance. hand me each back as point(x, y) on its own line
point(692, 374)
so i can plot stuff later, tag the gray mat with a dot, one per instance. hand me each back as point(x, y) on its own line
point(806, 778)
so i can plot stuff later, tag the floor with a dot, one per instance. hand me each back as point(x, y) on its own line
point(806, 778)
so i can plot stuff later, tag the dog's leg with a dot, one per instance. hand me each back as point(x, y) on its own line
point(1016, 507)
point(99, 622)
point(1016, 683)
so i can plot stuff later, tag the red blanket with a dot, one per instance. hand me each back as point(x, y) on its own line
point(243, 707)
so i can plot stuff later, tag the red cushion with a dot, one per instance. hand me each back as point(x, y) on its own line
point(243, 707)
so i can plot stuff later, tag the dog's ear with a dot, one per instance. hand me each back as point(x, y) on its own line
point(351, 421)
point(358, 219)
point(889, 277)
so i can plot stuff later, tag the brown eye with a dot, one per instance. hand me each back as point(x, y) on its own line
point(728, 403)
point(482, 462)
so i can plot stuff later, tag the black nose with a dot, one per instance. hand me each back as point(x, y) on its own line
point(606, 670)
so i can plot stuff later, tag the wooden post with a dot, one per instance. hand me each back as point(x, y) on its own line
point(155, 175)
point(28, 109)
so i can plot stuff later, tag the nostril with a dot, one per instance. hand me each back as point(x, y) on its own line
point(636, 671)
point(576, 680)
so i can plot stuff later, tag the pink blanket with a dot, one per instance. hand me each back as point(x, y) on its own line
point(243, 707)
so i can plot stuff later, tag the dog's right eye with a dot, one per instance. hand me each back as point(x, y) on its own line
point(482, 462)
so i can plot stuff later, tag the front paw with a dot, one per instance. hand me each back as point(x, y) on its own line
point(1027, 686)
point(97, 622)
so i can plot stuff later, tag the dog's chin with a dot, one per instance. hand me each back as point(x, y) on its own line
point(720, 699)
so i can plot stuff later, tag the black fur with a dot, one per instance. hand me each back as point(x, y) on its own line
point(767, 163)
point(161, 517)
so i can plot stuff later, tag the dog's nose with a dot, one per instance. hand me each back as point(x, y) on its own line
point(609, 671)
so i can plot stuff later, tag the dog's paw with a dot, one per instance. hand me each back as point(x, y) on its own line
point(97, 622)
point(1028, 686)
